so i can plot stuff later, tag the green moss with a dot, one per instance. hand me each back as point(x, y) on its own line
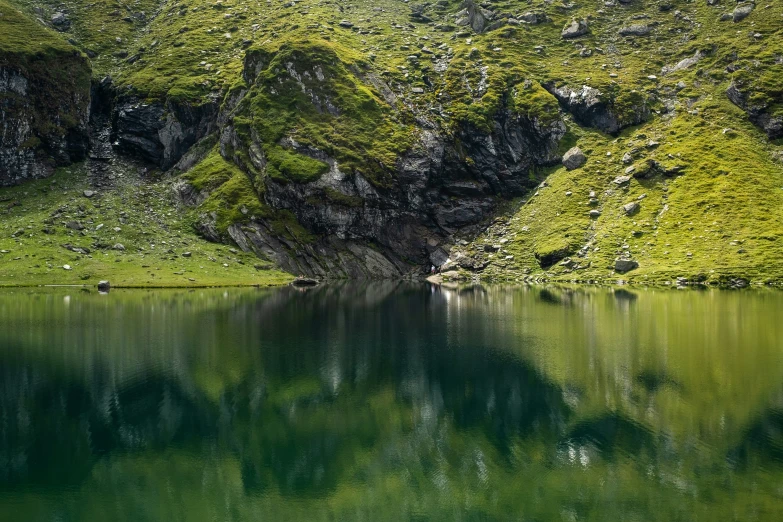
point(285, 165)
point(231, 195)
point(311, 91)
point(534, 102)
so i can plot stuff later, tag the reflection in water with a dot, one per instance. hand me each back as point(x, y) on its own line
point(391, 401)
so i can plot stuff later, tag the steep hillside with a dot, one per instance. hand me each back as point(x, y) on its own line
point(44, 99)
point(374, 139)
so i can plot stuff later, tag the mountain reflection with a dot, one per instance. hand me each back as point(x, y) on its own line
point(387, 394)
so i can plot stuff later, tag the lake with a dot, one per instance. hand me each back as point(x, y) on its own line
point(391, 401)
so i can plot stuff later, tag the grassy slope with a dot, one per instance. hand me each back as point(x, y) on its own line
point(729, 198)
point(153, 231)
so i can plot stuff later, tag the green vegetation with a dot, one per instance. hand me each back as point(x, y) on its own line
point(132, 235)
point(356, 82)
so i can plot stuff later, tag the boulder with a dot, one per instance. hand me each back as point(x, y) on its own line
point(636, 30)
point(60, 21)
point(304, 281)
point(631, 208)
point(104, 286)
point(625, 265)
point(742, 12)
point(574, 158)
point(575, 29)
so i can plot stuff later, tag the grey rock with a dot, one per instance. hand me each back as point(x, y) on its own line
point(574, 158)
point(595, 213)
point(631, 208)
point(60, 21)
point(742, 11)
point(104, 286)
point(119, 247)
point(627, 158)
point(575, 29)
point(589, 108)
point(762, 115)
point(621, 180)
point(89, 193)
point(636, 30)
point(625, 265)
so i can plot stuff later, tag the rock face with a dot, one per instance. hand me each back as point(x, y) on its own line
point(589, 108)
point(758, 113)
point(574, 158)
point(357, 227)
point(161, 132)
point(409, 223)
point(44, 112)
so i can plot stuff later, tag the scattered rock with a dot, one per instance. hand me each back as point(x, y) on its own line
point(104, 286)
point(66, 267)
point(621, 180)
point(88, 193)
point(186, 254)
point(74, 225)
point(119, 246)
point(574, 158)
point(595, 213)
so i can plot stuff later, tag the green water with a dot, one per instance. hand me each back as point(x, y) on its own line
point(391, 402)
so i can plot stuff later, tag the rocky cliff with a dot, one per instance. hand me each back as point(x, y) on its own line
point(44, 100)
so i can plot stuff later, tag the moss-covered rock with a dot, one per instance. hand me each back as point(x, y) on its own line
point(44, 99)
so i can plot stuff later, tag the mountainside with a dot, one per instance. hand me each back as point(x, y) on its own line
point(580, 141)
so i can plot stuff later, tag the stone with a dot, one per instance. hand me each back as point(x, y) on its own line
point(119, 246)
point(88, 193)
point(621, 180)
point(595, 213)
point(533, 18)
point(66, 267)
point(627, 158)
point(302, 281)
point(74, 225)
point(60, 21)
point(636, 30)
point(625, 265)
point(742, 12)
point(574, 158)
point(631, 208)
point(104, 286)
point(186, 254)
point(346, 24)
point(575, 29)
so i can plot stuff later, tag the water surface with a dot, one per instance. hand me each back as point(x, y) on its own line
point(391, 402)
